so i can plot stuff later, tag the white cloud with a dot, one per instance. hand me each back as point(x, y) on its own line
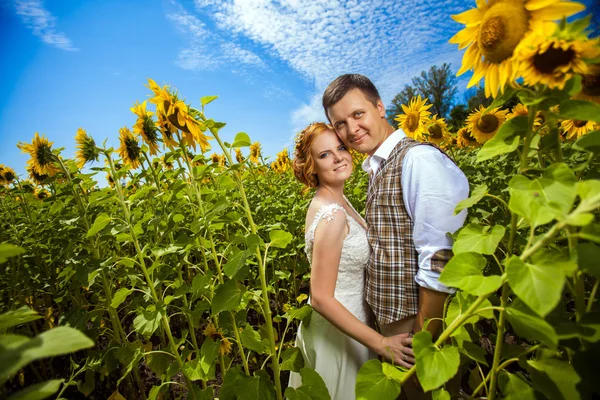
point(307, 113)
point(208, 50)
point(43, 24)
point(388, 41)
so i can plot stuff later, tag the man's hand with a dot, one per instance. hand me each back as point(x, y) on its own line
point(397, 349)
point(431, 305)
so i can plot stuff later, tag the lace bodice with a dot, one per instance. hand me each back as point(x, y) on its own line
point(349, 287)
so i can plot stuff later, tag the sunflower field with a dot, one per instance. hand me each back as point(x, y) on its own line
point(185, 277)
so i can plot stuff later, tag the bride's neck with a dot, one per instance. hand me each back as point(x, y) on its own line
point(336, 192)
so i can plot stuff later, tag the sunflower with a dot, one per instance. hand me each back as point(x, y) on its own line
point(464, 138)
point(166, 162)
point(27, 186)
point(87, 150)
point(7, 175)
point(217, 159)
point(482, 126)
point(521, 110)
point(590, 85)
point(575, 129)
point(282, 163)
point(450, 142)
point(255, 152)
point(438, 130)
point(37, 178)
point(552, 60)
point(145, 126)
point(129, 150)
point(414, 120)
point(217, 335)
point(239, 157)
point(110, 180)
point(42, 159)
point(41, 194)
point(494, 29)
point(176, 115)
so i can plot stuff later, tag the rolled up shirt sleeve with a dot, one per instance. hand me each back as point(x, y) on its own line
point(432, 186)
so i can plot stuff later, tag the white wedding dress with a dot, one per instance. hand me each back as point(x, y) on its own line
point(335, 356)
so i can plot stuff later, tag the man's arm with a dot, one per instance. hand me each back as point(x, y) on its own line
point(432, 187)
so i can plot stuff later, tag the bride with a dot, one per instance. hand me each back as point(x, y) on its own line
point(338, 340)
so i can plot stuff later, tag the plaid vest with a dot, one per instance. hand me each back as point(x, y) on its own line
point(390, 287)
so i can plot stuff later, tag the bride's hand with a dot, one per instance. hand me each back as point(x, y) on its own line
point(398, 349)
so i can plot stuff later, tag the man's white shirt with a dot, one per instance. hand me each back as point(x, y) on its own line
point(432, 186)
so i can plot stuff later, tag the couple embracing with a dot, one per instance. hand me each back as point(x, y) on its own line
point(386, 264)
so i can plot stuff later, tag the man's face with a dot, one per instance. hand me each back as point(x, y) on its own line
point(359, 123)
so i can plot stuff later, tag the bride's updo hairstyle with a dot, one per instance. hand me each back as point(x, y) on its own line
point(304, 165)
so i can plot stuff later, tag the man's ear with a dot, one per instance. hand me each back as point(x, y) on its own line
point(381, 108)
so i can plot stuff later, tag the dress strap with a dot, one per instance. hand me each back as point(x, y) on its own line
point(326, 211)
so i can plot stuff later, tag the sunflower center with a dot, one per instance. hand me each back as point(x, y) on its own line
point(487, 123)
point(579, 124)
point(553, 58)
point(412, 122)
point(591, 84)
point(502, 28)
point(435, 131)
point(43, 155)
point(469, 137)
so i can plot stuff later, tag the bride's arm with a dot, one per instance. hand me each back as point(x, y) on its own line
point(327, 250)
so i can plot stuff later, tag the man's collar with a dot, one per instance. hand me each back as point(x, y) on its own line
point(384, 150)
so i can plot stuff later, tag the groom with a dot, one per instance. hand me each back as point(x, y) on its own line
point(413, 190)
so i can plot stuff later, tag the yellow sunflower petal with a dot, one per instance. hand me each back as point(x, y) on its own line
point(472, 16)
point(533, 5)
point(465, 37)
point(557, 11)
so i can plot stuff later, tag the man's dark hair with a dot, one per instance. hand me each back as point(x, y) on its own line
point(345, 83)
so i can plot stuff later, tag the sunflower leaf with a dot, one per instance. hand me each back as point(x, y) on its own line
point(580, 110)
point(506, 140)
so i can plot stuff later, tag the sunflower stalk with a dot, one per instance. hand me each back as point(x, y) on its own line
point(262, 272)
point(149, 282)
point(118, 331)
point(214, 256)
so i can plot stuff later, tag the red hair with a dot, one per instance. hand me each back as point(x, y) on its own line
point(304, 165)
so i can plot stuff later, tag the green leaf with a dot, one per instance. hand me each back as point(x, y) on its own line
point(460, 304)
point(478, 239)
point(588, 255)
point(17, 317)
point(257, 387)
point(38, 391)
point(589, 142)
point(500, 100)
point(302, 314)
point(312, 387)
point(474, 352)
point(580, 110)
point(8, 250)
point(554, 378)
point(207, 99)
point(435, 366)
point(280, 238)
point(100, 223)
point(120, 296)
point(17, 351)
point(241, 140)
point(506, 139)
point(147, 321)
point(292, 360)
point(476, 195)
point(376, 381)
point(527, 324)
point(252, 340)
point(537, 285)
point(589, 193)
point(440, 394)
point(234, 264)
point(465, 271)
point(178, 218)
point(227, 297)
point(515, 388)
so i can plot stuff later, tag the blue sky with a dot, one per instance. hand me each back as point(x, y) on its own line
point(67, 64)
